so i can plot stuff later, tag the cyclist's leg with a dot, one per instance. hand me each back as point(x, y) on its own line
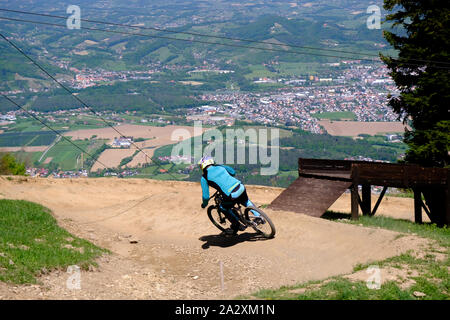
point(226, 208)
point(245, 201)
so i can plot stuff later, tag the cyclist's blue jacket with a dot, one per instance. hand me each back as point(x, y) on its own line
point(219, 177)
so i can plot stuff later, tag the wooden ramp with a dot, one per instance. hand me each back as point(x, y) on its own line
point(310, 196)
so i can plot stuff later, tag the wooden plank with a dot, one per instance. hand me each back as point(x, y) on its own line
point(395, 175)
point(340, 176)
point(326, 165)
point(310, 196)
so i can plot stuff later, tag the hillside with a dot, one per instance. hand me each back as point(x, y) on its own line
point(164, 247)
point(340, 25)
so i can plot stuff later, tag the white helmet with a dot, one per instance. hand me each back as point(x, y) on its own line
point(205, 161)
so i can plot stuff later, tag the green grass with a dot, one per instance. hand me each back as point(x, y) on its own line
point(26, 126)
point(428, 273)
point(337, 289)
point(65, 155)
point(31, 242)
point(298, 68)
point(259, 71)
point(288, 174)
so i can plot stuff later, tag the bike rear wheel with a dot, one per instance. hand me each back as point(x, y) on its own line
point(218, 218)
point(264, 226)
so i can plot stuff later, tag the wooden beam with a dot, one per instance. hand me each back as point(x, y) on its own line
point(355, 202)
point(425, 208)
point(417, 206)
point(379, 201)
point(397, 175)
point(366, 199)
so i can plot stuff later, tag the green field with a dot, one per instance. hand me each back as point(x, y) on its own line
point(259, 71)
point(339, 115)
point(65, 155)
point(298, 68)
point(24, 139)
point(32, 243)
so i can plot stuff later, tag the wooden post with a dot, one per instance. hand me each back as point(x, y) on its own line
point(355, 204)
point(366, 200)
point(417, 206)
point(447, 200)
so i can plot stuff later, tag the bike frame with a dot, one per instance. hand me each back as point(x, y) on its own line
point(218, 199)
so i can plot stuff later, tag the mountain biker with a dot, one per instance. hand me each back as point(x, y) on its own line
point(221, 178)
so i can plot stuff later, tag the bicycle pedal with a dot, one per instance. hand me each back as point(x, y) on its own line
point(242, 227)
point(228, 232)
point(259, 221)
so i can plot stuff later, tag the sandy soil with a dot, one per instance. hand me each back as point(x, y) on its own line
point(178, 251)
point(353, 128)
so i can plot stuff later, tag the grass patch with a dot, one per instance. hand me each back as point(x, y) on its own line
point(337, 288)
point(31, 242)
point(338, 115)
point(64, 155)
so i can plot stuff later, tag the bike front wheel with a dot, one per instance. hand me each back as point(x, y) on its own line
point(218, 218)
point(262, 223)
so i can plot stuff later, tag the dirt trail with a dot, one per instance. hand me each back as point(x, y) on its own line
point(178, 250)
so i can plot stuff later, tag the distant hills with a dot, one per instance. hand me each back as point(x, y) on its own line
point(336, 25)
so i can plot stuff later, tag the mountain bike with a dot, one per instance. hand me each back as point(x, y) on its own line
point(261, 224)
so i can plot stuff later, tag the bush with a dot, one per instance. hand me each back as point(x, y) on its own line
point(9, 166)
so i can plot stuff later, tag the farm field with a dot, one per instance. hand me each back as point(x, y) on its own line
point(24, 149)
point(141, 158)
point(25, 139)
point(65, 155)
point(111, 158)
point(157, 137)
point(340, 115)
point(354, 128)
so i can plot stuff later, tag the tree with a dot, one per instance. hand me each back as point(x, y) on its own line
point(422, 74)
point(9, 166)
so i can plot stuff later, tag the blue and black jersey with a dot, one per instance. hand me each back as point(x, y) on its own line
point(221, 178)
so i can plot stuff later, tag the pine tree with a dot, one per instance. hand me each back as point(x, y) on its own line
point(421, 72)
